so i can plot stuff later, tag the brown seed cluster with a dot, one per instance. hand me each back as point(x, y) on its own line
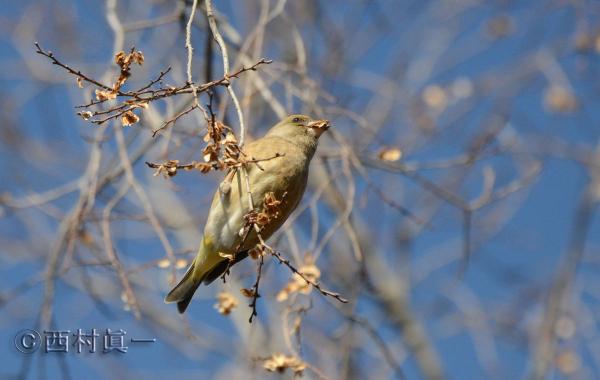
point(270, 211)
point(169, 168)
point(221, 152)
point(138, 98)
point(279, 363)
point(226, 302)
point(258, 251)
point(222, 148)
point(124, 60)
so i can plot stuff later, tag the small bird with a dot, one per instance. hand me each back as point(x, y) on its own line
point(286, 151)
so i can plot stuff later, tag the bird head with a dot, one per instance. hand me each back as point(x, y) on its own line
point(300, 127)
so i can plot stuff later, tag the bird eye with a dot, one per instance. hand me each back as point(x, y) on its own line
point(296, 120)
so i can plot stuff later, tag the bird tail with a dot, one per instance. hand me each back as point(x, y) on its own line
point(183, 292)
point(201, 270)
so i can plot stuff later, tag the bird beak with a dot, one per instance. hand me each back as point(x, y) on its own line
point(319, 126)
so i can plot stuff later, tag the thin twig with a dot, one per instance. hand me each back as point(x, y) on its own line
point(388, 355)
point(190, 50)
point(315, 285)
point(147, 94)
point(130, 297)
point(219, 38)
point(144, 200)
point(255, 293)
point(77, 73)
point(174, 119)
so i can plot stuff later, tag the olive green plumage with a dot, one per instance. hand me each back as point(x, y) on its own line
point(295, 139)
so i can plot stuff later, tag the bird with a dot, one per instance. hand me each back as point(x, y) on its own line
point(282, 159)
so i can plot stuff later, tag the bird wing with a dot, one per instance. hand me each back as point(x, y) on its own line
point(286, 174)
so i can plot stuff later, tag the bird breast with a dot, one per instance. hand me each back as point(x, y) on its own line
point(284, 176)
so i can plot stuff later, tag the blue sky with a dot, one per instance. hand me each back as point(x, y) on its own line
point(410, 46)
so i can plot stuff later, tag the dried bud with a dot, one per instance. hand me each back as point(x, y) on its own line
point(85, 115)
point(138, 57)
point(435, 97)
point(249, 293)
point(203, 167)
point(181, 263)
point(163, 263)
point(389, 154)
point(102, 95)
point(279, 363)
point(120, 58)
point(262, 219)
point(230, 139)
point(226, 302)
point(559, 99)
point(256, 252)
point(129, 118)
